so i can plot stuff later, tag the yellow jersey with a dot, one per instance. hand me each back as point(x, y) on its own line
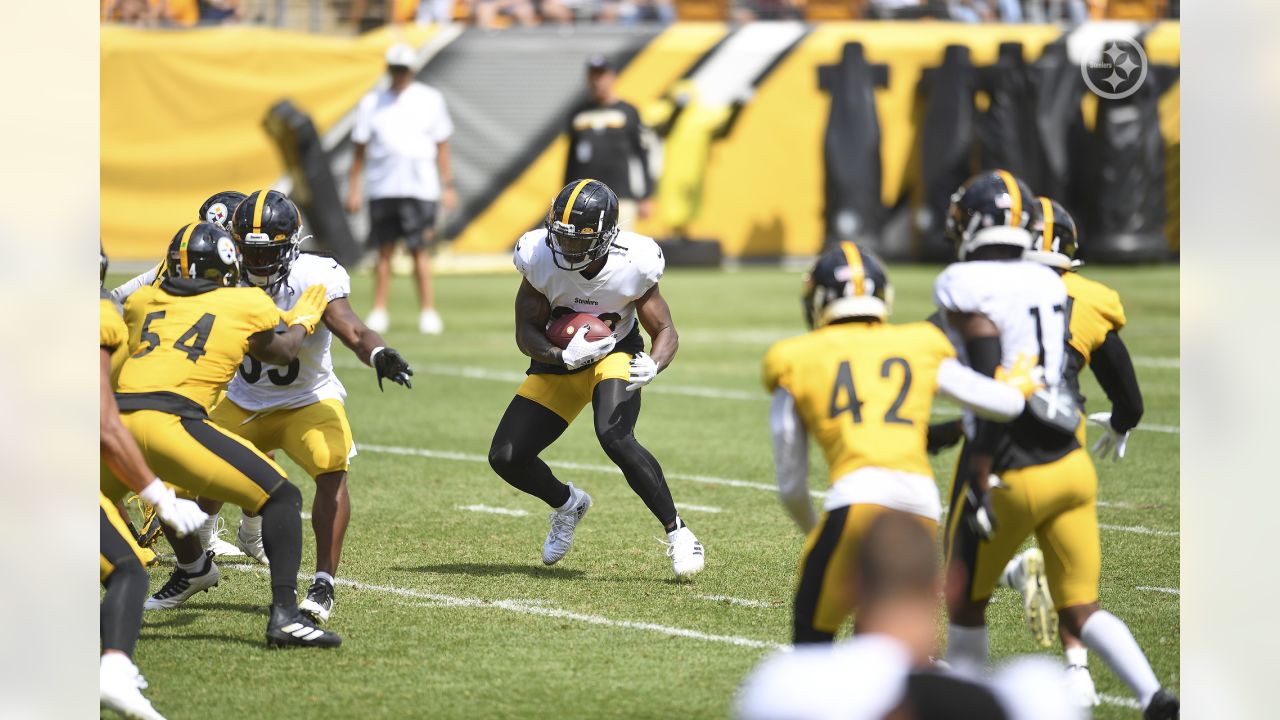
point(864, 390)
point(113, 334)
point(187, 338)
point(1095, 310)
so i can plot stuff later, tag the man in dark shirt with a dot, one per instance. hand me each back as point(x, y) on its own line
point(605, 144)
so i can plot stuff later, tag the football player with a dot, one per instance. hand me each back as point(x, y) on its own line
point(187, 337)
point(865, 388)
point(580, 262)
point(1094, 319)
point(1031, 475)
point(120, 560)
point(298, 407)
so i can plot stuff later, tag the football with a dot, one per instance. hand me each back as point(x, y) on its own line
point(562, 329)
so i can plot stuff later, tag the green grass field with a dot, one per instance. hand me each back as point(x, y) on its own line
point(452, 615)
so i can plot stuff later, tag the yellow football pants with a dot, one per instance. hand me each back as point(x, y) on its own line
point(115, 542)
point(316, 436)
point(566, 395)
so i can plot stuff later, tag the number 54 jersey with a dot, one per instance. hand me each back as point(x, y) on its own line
point(310, 377)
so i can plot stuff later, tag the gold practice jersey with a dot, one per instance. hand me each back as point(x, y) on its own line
point(1094, 310)
point(113, 334)
point(864, 390)
point(187, 338)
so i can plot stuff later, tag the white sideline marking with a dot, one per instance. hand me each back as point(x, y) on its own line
point(740, 601)
point(494, 510)
point(1166, 591)
point(1127, 702)
point(1157, 362)
point(704, 479)
point(533, 607)
point(701, 508)
point(1140, 530)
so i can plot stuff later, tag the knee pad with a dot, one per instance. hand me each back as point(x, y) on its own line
point(501, 457)
point(287, 495)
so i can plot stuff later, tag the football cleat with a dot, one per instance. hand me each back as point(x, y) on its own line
point(290, 628)
point(249, 539)
point(1164, 705)
point(429, 322)
point(119, 688)
point(1080, 686)
point(211, 540)
point(151, 529)
point(1027, 577)
point(563, 524)
point(687, 557)
point(182, 585)
point(319, 602)
point(377, 320)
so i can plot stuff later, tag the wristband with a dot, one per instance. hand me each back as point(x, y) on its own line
point(373, 354)
point(155, 492)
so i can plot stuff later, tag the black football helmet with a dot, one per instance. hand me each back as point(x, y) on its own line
point(991, 208)
point(204, 251)
point(268, 227)
point(1053, 235)
point(217, 209)
point(582, 224)
point(846, 281)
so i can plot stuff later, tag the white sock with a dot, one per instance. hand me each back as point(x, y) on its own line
point(1108, 636)
point(573, 497)
point(325, 577)
point(1077, 656)
point(1012, 575)
point(114, 662)
point(250, 526)
point(194, 567)
point(967, 646)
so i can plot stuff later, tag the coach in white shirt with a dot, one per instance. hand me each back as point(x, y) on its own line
point(402, 133)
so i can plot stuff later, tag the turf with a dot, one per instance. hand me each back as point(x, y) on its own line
point(466, 622)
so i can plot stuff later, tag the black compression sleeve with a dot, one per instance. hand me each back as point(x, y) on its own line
point(1114, 369)
point(984, 356)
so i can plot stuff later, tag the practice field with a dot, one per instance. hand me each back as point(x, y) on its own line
point(447, 611)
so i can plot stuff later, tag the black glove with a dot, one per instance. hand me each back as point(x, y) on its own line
point(979, 513)
point(943, 435)
point(388, 364)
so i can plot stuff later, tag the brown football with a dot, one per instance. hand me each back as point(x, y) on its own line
point(562, 329)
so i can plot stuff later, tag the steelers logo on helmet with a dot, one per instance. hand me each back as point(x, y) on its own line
point(581, 224)
point(217, 209)
point(203, 251)
point(267, 227)
point(216, 214)
point(991, 208)
point(1053, 235)
point(846, 282)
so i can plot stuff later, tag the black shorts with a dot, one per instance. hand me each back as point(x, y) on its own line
point(412, 219)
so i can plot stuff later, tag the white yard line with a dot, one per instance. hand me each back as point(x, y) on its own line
point(495, 510)
point(701, 508)
point(1166, 591)
point(1172, 363)
point(704, 479)
point(742, 602)
point(1126, 702)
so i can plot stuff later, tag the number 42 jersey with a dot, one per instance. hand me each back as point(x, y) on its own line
point(310, 377)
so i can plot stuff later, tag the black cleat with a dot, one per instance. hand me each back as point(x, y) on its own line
point(290, 628)
point(319, 602)
point(1164, 705)
point(182, 585)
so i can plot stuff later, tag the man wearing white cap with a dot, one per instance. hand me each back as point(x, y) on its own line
point(402, 133)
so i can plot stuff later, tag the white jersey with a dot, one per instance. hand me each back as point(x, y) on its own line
point(635, 264)
point(309, 379)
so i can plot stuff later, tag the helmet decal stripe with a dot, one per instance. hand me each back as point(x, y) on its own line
point(257, 210)
point(183, 268)
point(1015, 197)
point(1046, 208)
point(857, 273)
point(573, 197)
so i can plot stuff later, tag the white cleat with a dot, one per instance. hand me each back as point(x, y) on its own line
point(429, 322)
point(563, 524)
point(182, 585)
point(210, 538)
point(119, 688)
point(249, 539)
point(1080, 686)
point(377, 320)
point(685, 551)
point(1029, 580)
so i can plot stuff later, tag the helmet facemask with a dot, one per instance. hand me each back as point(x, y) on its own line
point(573, 249)
point(267, 261)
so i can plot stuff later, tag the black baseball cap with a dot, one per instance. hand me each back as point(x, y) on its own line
point(599, 63)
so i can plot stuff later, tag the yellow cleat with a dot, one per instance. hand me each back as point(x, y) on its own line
point(1037, 603)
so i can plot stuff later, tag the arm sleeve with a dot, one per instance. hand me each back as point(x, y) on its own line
point(127, 289)
point(1114, 369)
point(791, 459)
point(362, 131)
point(984, 356)
point(988, 398)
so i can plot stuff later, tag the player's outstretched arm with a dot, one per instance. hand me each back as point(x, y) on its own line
point(121, 293)
point(1114, 369)
point(280, 348)
point(368, 345)
point(655, 317)
point(532, 313)
point(791, 459)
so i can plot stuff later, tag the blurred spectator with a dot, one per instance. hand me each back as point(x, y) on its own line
point(488, 12)
point(1052, 11)
point(151, 13)
point(605, 144)
point(403, 133)
point(220, 12)
point(752, 10)
point(646, 11)
point(434, 11)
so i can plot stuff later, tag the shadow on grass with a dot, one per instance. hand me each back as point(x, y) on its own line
point(494, 570)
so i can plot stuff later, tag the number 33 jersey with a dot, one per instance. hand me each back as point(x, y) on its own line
point(310, 377)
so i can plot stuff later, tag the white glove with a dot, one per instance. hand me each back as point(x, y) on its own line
point(1112, 441)
point(183, 516)
point(582, 351)
point(643, 371)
